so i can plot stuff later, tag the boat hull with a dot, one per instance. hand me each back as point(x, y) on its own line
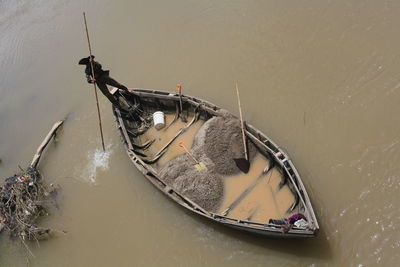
point(256, 137)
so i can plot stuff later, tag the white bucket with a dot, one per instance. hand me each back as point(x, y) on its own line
point(158, 118)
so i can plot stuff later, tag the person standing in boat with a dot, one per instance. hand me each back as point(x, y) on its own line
point(101, 78)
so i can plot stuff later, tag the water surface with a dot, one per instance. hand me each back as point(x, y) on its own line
point(321, 78)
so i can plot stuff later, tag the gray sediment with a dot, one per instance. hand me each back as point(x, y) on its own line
point(220, 139)
point(216, 144)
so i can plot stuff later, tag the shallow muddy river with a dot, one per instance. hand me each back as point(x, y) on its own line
point(321, 78)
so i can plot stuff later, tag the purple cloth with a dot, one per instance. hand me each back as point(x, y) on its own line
point(295, 217)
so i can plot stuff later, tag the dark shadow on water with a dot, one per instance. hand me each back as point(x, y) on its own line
point(317, 247)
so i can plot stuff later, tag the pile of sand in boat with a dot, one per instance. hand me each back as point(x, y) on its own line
point(216, 144)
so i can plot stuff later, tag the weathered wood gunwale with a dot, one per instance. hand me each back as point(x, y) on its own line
point(265, 145)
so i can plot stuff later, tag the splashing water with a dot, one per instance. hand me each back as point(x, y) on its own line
point(97, 160)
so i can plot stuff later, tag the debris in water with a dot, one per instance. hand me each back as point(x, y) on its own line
point(23, 197)
point(21, 204)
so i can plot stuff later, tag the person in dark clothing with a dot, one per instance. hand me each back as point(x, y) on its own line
point(101, 78)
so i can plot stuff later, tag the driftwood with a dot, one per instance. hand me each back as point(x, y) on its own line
point(43, 145)
point(23, 198)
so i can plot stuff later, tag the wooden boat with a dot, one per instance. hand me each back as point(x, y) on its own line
point(260, 201)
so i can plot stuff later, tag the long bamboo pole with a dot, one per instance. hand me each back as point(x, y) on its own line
point(241, 122)
point(94, 83)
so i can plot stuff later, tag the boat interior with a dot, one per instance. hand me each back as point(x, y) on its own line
point(264, 195)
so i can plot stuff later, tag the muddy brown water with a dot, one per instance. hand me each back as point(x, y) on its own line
point(321, 78)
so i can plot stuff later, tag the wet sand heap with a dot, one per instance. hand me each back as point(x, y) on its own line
point(216, 144)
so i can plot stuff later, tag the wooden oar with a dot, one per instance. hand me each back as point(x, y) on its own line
point(181, 115)
point(242, 163)
point(199, 165)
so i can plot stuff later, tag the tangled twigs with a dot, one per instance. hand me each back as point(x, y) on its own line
point(23, 197)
